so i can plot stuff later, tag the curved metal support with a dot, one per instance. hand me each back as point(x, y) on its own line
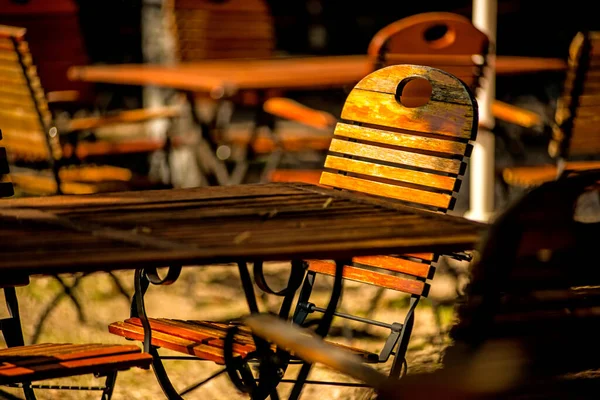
point(324, 324)
point(142, 281)
point(272, 364)
point(288, 292)
point(271, 368)
point(237, 368)
point(155, 279)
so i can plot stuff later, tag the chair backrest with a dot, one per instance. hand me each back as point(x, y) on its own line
point(536, 284)
point(575, 131)
point(415, 154)
point(25, 119)
point(209, 29)
point(442, 40)
point(56, 40)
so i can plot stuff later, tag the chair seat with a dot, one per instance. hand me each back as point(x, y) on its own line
point(203, 339)
point(51, 360)
point(538, 174)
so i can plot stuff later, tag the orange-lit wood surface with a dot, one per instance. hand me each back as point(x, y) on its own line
point(215, 224)
point(275, 73)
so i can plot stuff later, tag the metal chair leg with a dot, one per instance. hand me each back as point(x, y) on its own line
point(111, 379)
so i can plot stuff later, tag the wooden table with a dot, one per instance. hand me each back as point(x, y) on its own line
point(227, 76)
point(224, 78)
point(276, 221)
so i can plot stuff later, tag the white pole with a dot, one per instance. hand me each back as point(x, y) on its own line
point(482, 160)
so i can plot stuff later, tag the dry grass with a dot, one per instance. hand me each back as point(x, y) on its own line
point(211, 293)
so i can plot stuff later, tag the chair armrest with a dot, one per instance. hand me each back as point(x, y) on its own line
point(124, 117)
point(517, 115)
point(305, 345)
point(292, 110)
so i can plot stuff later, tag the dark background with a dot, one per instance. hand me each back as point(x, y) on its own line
point(525, 28)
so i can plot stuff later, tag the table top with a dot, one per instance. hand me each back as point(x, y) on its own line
point(275, 221)
point(275, 73)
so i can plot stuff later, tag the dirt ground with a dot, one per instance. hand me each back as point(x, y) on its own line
point(214, 293)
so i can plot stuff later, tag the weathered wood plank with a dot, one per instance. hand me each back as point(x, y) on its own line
point(411, 286)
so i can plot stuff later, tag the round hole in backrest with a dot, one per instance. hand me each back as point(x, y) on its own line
point(439, 36)
point(413, 92)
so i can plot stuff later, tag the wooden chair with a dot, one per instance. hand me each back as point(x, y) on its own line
point(575, 142)
point(385, 147)
point(21, 365)
point(527, 326)
point(437, 39)
point(36, 141)
point(46, 163)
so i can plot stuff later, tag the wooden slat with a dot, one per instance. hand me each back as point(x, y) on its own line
point(130, 116)
point(401, 157)
point(411, 286)
point(391, 173)
point(45, 361)
point(292, 110)
point(406, 139)
point(386, 190)
point(396, 264)
point(40, 183)
point(293, 175)
point(170, 342)
point(104, 148)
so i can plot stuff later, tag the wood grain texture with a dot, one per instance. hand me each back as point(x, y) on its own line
point(414, 154)
point(411, 286)
point(401, 138)
point(45, 361)
point(386, 190)
point(215, 224)
point(448, 113)
point(396, 264)
point(399, 157)
point(391, 173)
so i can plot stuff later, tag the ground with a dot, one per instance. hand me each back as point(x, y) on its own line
point(215, 293)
